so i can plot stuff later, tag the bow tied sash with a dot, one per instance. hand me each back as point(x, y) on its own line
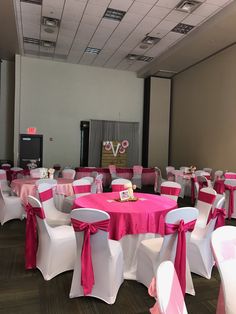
point(170, 190)
point(180, 256)
point(231, 190)
point(99, 187)
point(31, 243)
point(87, 274)
point(219, 214)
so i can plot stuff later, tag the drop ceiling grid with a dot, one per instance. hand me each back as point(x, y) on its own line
point(82, 25)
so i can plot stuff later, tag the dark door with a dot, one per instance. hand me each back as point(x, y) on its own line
point(31, 148)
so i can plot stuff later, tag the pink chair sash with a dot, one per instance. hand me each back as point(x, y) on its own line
point(31, 243)
point(206, 197)
point(117, 187)
point(180, 256)
point(230, 175)
point(219, 214)
point(6, 167)
point(219, 186)
point(168, 190)
point(153, 293)
point(99, 186)
point(82, 188)
point(231, 190)
point(46, 195)
point(87, 275)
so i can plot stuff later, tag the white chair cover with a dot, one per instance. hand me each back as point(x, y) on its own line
point(10, 208)
point(119, 184)
point(53, 216)
point(107, 259)
point(4, 183)
point(77, 185)
point(201, 260)
point(167, 291)
point(137, 176)
point(229, 201)
point(223, 243)
point(56, 246)
point(152, 252)
point(38, 173)
point(171, 190)
point(68, 173)
point(170, 173)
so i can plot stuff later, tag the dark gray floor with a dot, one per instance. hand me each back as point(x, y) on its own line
point(26, 292)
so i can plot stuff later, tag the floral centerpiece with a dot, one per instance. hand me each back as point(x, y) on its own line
point(51, 173)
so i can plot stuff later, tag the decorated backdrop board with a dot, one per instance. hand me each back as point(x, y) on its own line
point(114, 153)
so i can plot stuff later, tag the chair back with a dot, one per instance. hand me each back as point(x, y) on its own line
point(208, 170)
point(170, 173)
point(90, 179)
point(68, 173)
point(187, 214)
point(137, 170)
point(112, 170)
point(3, 181)
point(52, 182)
point(230, 197)
point(81, 187)
point(17, 172)
point(6, 166)
point(45, 192)
point(171, 190)
point(118, 185)
point(206, 198)
point(137, 176)
point(43, 227)
point(223, 244)
point(230, 175)
point(38, 173)
point(169, 294)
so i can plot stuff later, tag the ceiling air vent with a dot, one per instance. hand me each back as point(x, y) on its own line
point(132, 57)
point(33, 41)
point(33, 1)
point(182, 28)
point(113, 14)
point(94, 51)
point(187, 6)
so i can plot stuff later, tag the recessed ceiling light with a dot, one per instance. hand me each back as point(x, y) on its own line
point(149, 40)
point(133, 57)
point(51, 22)
point(47, 44)
point(182, 28)
point(49, 30)
point(92, 50)
point(188, 6)
point(114, 14)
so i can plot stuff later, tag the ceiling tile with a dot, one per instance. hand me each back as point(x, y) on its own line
point(193, 19)
point(206, 9)
point(168, 3)
point(122, 5)
point(140, 8)
point(176, 16)
point(158, 12)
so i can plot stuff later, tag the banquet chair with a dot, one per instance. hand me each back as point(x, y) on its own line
point(152, 252)
point(80, 187)
point(202, 181)
point(6, 166)
point(223, 243)
point(171, 190)
point(206, 198)
point(230, 175)
point(53, 216)
point(112, 170)
point(68, 173)
point(230, 197)
point(158, 181)
point(38, 173)
point(201, 260)
point(56, 245)
point(118, 185)
point(17, 173)
point(169, 173)
point(137, 176)
point(167, 291)
point(97, 185)
point(6, 190)
point(208, 170)
point(57, 168)
point(101, 275)
point(10, 208)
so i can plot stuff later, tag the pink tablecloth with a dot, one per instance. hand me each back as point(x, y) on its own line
point(148, 175)
point(143, 216)
point(25, 187)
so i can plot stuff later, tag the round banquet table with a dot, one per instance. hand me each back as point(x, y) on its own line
point(25, 187)
point(131, 222)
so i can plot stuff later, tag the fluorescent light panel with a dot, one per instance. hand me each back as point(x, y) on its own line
point(114, 14)
point(92, 50)
point(182, 28)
